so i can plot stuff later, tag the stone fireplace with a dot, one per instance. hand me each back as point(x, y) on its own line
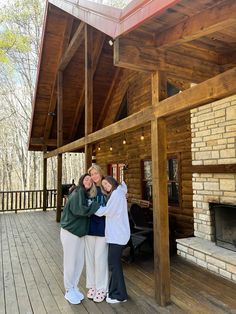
point(213, 128)
point(224, 225)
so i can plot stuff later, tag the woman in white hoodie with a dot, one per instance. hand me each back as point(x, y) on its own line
point(117, 234)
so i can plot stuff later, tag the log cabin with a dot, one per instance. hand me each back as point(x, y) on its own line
point(148, 92)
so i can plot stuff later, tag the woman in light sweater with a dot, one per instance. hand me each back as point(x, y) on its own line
point(117, 234)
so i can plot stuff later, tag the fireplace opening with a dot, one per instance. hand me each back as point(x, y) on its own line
point(225, 225)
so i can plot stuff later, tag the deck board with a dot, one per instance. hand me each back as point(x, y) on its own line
point(31, 276)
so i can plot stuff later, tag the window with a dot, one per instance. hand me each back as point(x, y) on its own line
point(146, 166)
point(172, 180)
point(117, 171)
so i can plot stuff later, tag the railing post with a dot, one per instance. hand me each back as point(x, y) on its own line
point(45, 195)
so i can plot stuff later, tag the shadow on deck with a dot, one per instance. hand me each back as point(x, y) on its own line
point(31, 278)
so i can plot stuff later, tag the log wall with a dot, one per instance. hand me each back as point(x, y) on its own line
point(135, 150)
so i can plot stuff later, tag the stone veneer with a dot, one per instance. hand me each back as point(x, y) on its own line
point(213, 129)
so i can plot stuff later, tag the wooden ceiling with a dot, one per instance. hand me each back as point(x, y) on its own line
point(191, 41)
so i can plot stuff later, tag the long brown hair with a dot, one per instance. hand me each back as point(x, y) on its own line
point(114, 184)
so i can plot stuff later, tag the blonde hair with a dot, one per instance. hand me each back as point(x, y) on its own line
point(97, 168)
point(92, 191)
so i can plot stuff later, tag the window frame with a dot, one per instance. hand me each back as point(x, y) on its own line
point(116, 170)
point(143, 185)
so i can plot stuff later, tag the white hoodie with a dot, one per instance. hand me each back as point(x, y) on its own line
point(117, 230)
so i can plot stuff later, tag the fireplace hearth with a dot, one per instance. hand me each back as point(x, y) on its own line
point(225, 225)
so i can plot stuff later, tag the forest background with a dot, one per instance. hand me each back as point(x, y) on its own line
point(20, 36)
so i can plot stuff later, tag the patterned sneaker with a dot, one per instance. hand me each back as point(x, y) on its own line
point(100, 296)
point(91, 293)
point(72, 296)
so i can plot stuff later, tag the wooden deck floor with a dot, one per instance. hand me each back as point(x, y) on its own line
point(31, 279)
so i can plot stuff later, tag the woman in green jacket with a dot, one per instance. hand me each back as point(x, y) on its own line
point(74, 226)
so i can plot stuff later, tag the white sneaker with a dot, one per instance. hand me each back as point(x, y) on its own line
point(79, 293)
point(72, 296)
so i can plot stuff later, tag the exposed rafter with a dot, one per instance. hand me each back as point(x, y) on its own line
point(205, 23)
point(80, 106)
point(53, 98)
point(108, 99)
point(74, 44)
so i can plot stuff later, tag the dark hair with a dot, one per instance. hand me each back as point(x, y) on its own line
point(92, 192)
point(113, 183)
point(81, 179)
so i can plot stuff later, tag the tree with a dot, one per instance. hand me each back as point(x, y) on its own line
point(21, 23)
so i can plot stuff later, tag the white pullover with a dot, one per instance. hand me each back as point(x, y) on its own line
point(117, 230)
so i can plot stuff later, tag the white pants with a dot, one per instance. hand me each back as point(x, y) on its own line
point(96, 259)
point(73, 258)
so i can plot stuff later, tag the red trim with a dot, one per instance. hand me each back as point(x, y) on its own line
point(141, 10)
point(38, 70)
point(113, 21)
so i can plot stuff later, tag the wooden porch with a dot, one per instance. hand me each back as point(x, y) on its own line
point(31, 279)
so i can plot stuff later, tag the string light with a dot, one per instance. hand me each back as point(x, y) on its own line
point(142, 136)
point(124, 140)
point(111, 147)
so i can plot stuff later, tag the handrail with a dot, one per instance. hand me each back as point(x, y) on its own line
point(26, 200)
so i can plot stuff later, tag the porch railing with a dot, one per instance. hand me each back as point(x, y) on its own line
point(26, 200)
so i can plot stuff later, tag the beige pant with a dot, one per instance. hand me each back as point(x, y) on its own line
point(73, 258)
point(96, 259)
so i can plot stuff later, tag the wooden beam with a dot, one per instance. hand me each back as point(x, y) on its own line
point(109, 98)
point(128, 53)
point(88, 153)
point(131, 122)
point(160, 197)
point(79, 109)
point(44, 184)
point(229, 168)
point(221, 86)
point(74, 44)
point(60, 109)
point(213, 89)
point(59, 189)
point(53, 98)
point(88, 91)
point(204, 23)
point(41, 142)
point(78, 113)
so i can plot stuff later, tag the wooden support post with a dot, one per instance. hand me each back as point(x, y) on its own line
point(88, 154)
point(44, 184)
point(59, 142)
point(160, 198)
point(59, 189)
point(88, 92)
point(60, 109)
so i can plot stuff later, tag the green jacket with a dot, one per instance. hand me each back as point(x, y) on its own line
point(76, 213)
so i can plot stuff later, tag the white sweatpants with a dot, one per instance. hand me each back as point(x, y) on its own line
point(73, 258)
point(96, 259)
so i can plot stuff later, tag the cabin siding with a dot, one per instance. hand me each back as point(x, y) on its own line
point(138, 87)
